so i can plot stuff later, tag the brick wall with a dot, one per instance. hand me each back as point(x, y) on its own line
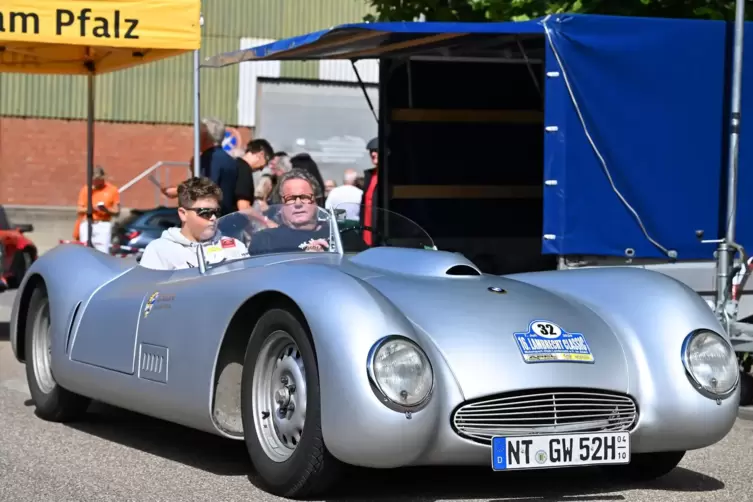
point(43, 162)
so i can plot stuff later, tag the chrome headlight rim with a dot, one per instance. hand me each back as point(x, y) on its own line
point(689, 373)
point(377, 389)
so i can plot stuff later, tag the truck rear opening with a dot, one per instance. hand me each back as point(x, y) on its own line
point(465, 143)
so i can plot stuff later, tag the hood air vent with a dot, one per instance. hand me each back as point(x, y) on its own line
point(462, 270)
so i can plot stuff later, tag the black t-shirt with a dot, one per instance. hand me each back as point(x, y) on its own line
point(244, 187)
point(284, 239)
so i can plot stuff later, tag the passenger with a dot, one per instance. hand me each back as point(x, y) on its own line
point(300, 228)
point(198, 208)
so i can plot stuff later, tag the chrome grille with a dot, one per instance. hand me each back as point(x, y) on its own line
point(545, 411)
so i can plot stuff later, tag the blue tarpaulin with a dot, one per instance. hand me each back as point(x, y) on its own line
point(651, 93)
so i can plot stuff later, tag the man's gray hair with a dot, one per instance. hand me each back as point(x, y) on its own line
point(298, 174)
point(350, 176)
point(284, 164)
point(215, 129)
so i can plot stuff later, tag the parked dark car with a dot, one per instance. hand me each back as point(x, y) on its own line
point(131, 235)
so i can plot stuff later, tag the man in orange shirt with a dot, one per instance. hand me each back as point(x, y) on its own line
point(105, 205)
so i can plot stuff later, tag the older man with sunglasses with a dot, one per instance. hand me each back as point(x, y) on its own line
point(199, 202)
point(300, 228)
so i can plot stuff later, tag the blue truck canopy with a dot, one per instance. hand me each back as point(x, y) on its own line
point(653, 97)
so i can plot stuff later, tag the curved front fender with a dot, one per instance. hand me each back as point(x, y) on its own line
point(652, 314)
point(347, 317)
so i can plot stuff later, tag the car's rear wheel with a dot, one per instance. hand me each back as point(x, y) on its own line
point(52, 402)
point(646, 466)
point(281, 408)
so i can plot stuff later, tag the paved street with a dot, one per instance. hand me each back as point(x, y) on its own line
point(119, 456)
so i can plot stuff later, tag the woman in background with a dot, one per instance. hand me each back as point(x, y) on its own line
point(305, 162)
point(261, 194)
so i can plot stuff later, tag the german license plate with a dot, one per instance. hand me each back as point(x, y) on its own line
point(564, 450)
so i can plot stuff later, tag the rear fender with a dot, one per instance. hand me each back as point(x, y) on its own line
point(61, 269)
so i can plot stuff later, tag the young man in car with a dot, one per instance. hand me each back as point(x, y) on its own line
point(199, 202)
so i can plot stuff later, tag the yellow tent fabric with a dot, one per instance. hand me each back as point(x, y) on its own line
point(70, 36)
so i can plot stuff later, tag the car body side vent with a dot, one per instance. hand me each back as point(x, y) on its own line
point(71, 324)
point(462, 270)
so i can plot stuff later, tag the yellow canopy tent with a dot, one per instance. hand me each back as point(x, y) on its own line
point(89, 37)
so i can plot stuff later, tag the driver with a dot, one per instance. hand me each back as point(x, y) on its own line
point(198, 209)
point(300, 228)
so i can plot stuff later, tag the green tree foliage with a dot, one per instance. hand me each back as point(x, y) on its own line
point(518, 10)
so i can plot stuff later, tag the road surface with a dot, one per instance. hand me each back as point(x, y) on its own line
point(119, 456)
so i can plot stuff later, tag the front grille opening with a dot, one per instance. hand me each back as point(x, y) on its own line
point(545, 411)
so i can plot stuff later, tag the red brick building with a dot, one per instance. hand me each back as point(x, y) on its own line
point(43, 161)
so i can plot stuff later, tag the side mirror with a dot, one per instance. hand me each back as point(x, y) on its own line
point(25, 227)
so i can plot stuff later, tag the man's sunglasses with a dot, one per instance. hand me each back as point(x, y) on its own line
point(205, 212)
point(305, 198)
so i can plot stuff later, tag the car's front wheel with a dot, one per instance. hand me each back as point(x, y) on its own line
point(281, 408)
point(52, 402)
point(646, 466)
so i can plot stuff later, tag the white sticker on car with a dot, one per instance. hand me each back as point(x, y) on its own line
point(546, 341)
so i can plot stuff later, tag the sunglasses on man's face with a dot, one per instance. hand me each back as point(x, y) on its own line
point(305, 198)
point(205, 212)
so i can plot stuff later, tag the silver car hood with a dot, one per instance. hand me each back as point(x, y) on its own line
point(473, 326)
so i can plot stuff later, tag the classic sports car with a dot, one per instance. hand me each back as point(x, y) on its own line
point(395, 355)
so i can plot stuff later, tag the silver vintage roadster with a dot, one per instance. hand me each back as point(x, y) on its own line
point(381, 351)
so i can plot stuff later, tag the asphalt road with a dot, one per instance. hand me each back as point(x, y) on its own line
point(118, 456)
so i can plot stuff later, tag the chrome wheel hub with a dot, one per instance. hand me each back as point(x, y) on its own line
point(42, 350)
point(279, 396)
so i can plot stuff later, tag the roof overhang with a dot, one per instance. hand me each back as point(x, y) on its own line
point(386, 40)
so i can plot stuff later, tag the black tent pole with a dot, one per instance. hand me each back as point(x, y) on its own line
point(89, 150)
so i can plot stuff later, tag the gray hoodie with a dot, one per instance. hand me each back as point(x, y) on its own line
point(174, 251)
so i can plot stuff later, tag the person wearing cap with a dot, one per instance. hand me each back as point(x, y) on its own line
point(105, 205)
point(370, 198)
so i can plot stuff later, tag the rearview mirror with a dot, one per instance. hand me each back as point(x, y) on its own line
point(25, 227)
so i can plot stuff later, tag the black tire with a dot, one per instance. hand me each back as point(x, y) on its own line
point(311, 469)
point(57, 404)
point(21, 263)
point(646, 466)
point(746, 389)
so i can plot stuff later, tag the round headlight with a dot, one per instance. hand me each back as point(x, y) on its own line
point(401, 371)
point(711, 362)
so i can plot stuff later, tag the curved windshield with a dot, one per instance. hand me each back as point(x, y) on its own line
point(304, 227)
point(289, 228)
point(380, 228)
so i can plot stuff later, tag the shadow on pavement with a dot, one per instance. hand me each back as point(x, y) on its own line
point(4, 331)
point(571, 485)
point(220, 456)
point(225, 457)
